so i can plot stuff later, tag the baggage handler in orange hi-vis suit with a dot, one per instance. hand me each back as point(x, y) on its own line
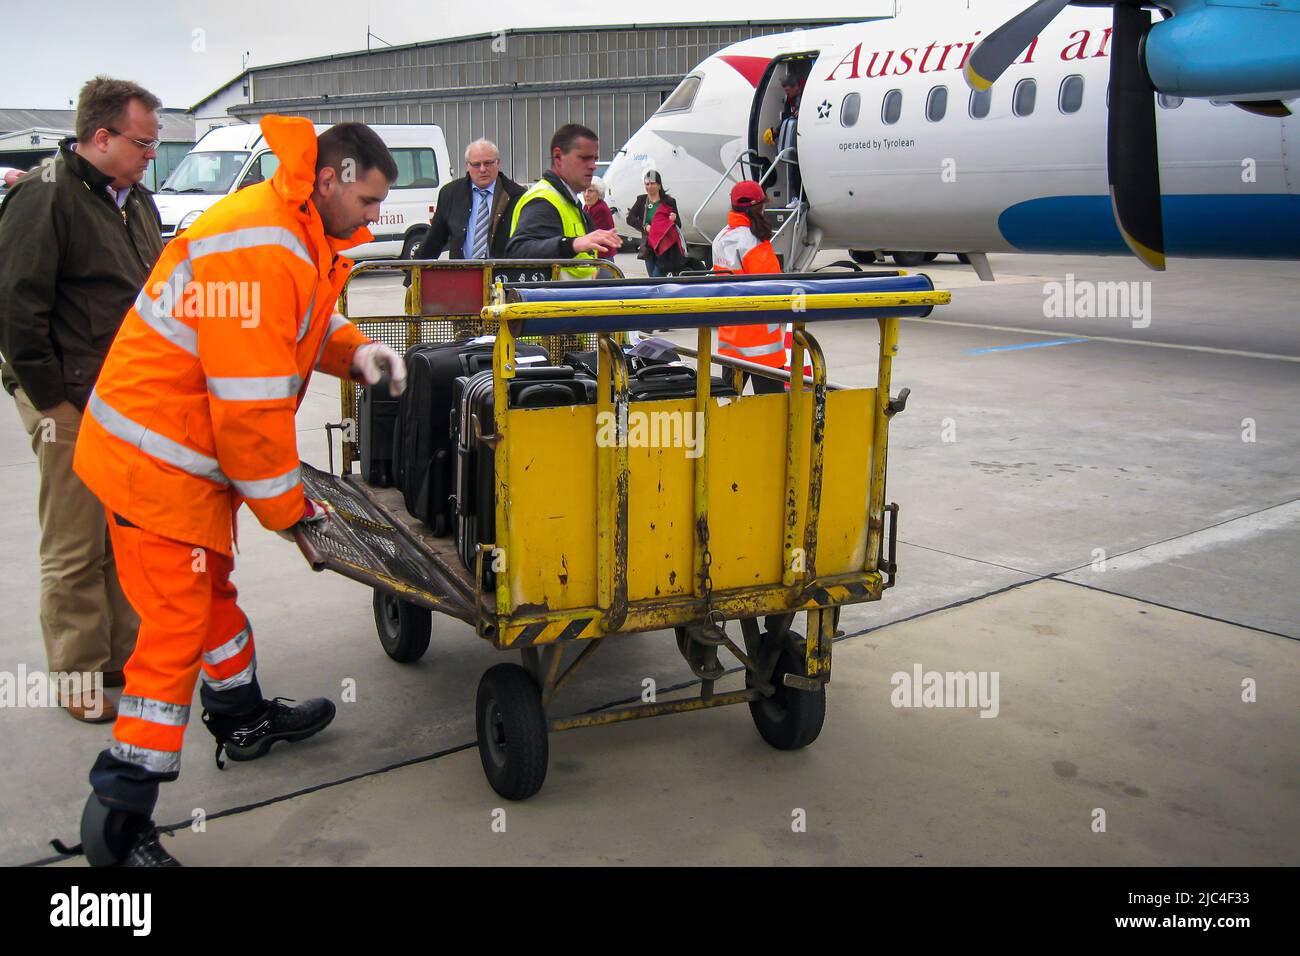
point(745, 247)
point(192, 416)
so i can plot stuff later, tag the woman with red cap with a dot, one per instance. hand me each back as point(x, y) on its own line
point(745, 247)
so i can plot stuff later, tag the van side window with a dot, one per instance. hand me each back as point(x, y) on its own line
point(936, 104)
point(892, 108)
point(980, 103)
point(849, 109)
point(263, 168)
point(417, 168)
point(1071, 98)
point(1023, 99)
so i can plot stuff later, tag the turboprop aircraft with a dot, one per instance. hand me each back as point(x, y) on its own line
point(1073, 123)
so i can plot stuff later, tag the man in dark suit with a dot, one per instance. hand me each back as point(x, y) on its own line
point(472, 220)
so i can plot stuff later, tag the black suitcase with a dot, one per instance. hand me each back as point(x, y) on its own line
point(423, 457)
point(475, 497)
point(673, 380)
point(647, 352)
point(376, 418)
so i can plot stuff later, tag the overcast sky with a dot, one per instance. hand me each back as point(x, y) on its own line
point(49, 49)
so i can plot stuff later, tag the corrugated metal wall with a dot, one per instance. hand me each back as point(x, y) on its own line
point(620, 76)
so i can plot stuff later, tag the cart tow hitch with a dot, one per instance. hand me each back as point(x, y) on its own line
point(897, 405)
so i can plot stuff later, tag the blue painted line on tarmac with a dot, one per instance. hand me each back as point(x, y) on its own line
point(1026, 345)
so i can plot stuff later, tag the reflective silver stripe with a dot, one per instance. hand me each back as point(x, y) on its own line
point(232, 389)
point(157, 313)
point(269, 487)
point(157, 761)
point(239, 680)
point(306, 317)
point(770, 349)
point(226, 651)
point(153, 444)
point(155, 711)
point(336, 322)
point(250, 238)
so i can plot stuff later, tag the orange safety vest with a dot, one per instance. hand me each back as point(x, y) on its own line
point(193, 412)
point(737, 250)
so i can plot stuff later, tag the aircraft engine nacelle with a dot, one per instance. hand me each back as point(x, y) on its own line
point(1227, 52)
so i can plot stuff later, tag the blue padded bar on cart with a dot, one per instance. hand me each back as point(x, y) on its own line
point(620, 321)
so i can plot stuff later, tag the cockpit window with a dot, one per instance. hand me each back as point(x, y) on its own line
point(680, 100)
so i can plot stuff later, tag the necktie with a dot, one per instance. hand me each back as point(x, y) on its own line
point(481, 225)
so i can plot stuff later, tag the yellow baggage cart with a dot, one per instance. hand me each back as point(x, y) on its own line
point(623, 517)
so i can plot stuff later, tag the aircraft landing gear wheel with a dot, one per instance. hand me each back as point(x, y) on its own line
point(908, 260)
point(106, 835)
point(512, 731)
point(790, 718)
point(403, 627)
point(862, 258)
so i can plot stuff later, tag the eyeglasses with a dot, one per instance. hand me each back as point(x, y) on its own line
point(486, 164)
point(146, 146)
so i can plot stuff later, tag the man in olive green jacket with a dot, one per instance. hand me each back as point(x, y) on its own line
point(78, 238)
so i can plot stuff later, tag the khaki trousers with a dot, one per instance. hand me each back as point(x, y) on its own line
point(86, 620)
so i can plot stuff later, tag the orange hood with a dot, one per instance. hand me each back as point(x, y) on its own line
point(293, 140)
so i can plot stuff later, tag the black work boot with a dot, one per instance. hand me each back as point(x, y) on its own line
point(250, 736)
point(147, 850)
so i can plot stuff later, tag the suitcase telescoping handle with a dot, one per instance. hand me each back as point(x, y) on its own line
point(549, 373)
point(664, 371)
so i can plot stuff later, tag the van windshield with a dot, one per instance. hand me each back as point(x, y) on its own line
point(206, 172)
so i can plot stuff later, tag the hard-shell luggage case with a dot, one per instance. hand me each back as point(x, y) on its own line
point(673, 380)
point(423, 448)
point(376, 421)
point(647, 352)
point(475, 497)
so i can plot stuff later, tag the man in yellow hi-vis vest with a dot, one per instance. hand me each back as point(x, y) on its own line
point(548, 222)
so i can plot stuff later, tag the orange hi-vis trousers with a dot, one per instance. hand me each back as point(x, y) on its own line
point(190, 628)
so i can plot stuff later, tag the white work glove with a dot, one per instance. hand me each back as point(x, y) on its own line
point(314, 512)
point(375, 361)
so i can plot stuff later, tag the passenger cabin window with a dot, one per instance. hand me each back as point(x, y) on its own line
point(980, 103)
point(1023, 99)
point(1071, 99)
point(892, 108)
point(936, 104)
point(682, 98)
point(1170, 102)
point(416, 168)
point(849, 109)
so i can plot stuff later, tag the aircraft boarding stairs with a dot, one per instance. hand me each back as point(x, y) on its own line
point(796, 237)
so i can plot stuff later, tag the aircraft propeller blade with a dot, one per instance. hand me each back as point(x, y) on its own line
point(999, 49)
point(1133, 157)
point(1274, 109)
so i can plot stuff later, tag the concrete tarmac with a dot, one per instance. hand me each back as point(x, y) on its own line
point(1110, 523)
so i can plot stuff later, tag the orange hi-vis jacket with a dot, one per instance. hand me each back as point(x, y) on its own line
point(737, 250)
point(194, 409)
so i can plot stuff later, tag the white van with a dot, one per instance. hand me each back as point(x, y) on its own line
point(228, 158)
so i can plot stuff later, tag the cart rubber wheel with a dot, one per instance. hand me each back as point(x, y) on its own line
point(790, 718)
point(106, 835)
point(512, 731)
point(403, 627)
